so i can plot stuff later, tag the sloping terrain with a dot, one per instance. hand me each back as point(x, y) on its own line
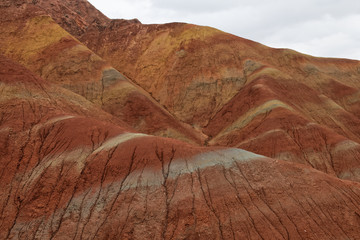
point(236, 91)
point(263, 143)
point(68, 174)
point(197, 70)
point(232, 91)
point(31, 37)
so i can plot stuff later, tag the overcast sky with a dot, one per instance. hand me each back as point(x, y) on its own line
point(327, 28)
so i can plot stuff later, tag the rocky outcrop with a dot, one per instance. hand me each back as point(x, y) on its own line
point(82, 147)
point(74, 16)
point(38, 42)
point(195, 71)
point(70, 173)
point(305, 127)
point(236, 91)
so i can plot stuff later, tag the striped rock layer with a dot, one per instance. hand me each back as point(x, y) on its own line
point(112, 129)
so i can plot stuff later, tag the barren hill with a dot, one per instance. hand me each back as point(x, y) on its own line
point(113, 129)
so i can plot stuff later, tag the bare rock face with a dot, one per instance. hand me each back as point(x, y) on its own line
point(68, 174)
point(38, 42)
point(236, 91)
point(303, 127)
point(74, 16)
point(85, 104)
point(274, 102)
point(196, 70)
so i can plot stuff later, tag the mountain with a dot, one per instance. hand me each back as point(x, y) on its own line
point(113, 129)
point(32, 38)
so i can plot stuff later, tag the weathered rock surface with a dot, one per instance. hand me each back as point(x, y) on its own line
point(196, 70)
point(66, 174)
point(36, 41)
point(81, 156)
point(235, 90)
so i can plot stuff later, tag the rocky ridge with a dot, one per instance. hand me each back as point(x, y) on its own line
point(86, 102)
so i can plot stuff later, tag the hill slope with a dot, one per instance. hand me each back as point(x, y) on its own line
point(233, 90)
point(263, 143)
point(66, 174)
point(31, 37)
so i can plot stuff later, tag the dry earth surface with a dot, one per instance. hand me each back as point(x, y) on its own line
point(113, 129)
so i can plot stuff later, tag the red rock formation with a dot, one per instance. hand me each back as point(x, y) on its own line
point(265, 119)
point(68, 174)
point(36, 41)
point(72, 166)
point(227, 86)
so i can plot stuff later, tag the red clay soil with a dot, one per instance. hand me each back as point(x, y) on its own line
point(68, 175)
point(209, 79)
point(195, 71)
point(81, 155)
point(74, 16)
point(58, 57)
point(263, 118)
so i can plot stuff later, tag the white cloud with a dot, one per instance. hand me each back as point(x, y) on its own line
point(328, 28)
point(328, 36)
point(199, 6)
